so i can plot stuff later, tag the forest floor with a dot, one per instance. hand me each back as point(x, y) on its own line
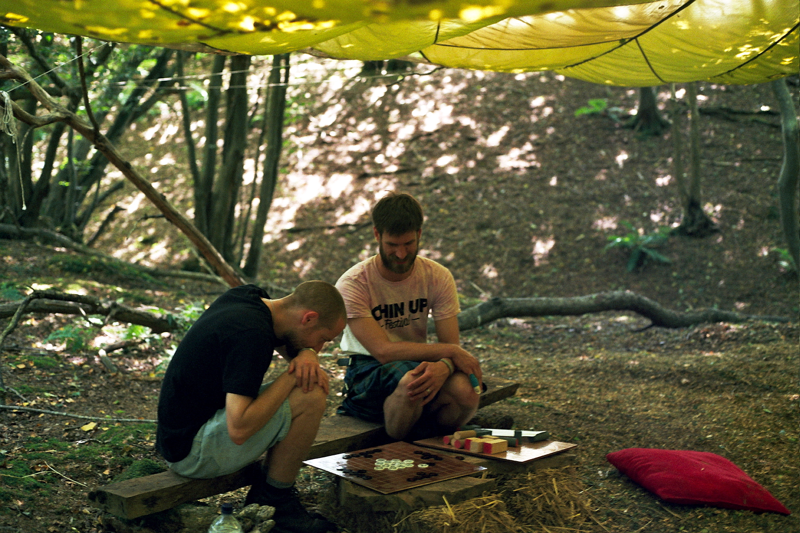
point(521, 198)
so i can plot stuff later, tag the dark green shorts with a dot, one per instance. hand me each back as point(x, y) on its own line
point(368, 383)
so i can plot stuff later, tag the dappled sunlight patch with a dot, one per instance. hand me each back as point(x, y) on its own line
point(489, 271)
point(621, 157)
point(519, 158)
point(541, 249)
point(497, 137)
point(606, 223)
point(295, 245)
point(359, 209)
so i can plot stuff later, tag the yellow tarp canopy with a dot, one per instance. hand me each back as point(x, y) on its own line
point(627, 43)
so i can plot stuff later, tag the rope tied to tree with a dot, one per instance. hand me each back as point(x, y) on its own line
point(9, 126)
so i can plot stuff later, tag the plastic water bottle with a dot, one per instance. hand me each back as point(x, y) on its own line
point(226, 522)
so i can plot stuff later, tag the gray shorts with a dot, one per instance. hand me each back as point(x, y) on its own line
point(214, 454)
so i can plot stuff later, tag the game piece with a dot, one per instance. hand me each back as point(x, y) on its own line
point(476, 386)
point(525, 452)
point(447, 439)
point(395, 467)
point(457, 444)
point(493, 446)
point(513, 442)
point(475, 445)
point(461, 435)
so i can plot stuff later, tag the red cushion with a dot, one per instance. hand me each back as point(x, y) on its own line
point(688, 477)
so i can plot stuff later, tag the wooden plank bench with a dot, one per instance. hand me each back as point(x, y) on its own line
point(142, 496)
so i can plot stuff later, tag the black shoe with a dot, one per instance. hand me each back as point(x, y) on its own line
point(290, 515)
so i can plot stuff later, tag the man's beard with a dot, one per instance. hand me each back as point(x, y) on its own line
point(292, 344)
point(397, 268)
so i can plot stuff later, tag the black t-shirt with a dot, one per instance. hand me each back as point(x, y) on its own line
point(228, 349)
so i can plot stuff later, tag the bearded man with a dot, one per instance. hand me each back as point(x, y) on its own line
point(395, 376)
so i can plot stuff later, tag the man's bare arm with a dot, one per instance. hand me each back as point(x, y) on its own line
point(246, 415)
point(374, 339)
point(447, 332)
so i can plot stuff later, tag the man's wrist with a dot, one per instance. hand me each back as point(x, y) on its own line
point(449, 364)
point(312, 350)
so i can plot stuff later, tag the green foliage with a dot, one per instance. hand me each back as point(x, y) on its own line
point(41, 361)
point(640, 246)
point(74, 337)
point(785, 260)
point(78, 264)
point(9, 291)
point(596, 106)
point(141, 468)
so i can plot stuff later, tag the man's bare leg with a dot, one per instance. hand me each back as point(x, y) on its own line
point(456, 403)
point(400, 413)
point(285, 459)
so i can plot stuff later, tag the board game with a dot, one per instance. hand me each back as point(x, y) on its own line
point(522, 454)
point(394, 467)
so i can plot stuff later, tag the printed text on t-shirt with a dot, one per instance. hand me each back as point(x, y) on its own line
point(398, 310)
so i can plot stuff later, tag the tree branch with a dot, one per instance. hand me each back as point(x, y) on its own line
point(659, 316)
point(81, 417)
point(76, 304)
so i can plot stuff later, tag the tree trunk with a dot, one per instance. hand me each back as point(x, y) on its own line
point(695, 223)
point(790, 170)
point(186, 115)
point(202, 190)
point(648, 121)
point(229, 181)
point(276, 106)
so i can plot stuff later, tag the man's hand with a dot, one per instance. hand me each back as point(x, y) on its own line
point(467, 363)
point(307, 371)
point(430, 376)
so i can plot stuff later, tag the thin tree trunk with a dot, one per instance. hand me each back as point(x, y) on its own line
point(695, 222)
point(226, 189)
point(202, 191)
point(677, 144)
point(648, 121)
point(790, 170)
point(244, 221)
point(191, 149)
point(276, 107)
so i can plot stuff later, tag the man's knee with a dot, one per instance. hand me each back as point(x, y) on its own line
point(314, 400)
point(459, 388)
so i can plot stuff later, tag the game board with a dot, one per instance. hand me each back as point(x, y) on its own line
point(525, 452)
point(372, 468)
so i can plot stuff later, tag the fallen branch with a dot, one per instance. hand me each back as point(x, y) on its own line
point(76, 304)
point(659, 316)
point(70, 415)
point(9, 231)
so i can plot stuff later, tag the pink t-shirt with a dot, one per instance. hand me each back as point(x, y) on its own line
point(400, 307)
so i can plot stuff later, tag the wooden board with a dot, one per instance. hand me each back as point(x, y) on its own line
point(420, 467)
point(524, 453)
point(150, 494)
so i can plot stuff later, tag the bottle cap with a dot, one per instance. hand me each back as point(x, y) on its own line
point(227, 508)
